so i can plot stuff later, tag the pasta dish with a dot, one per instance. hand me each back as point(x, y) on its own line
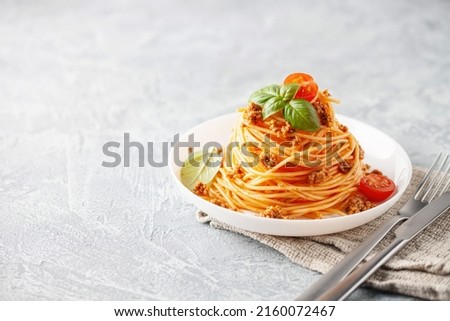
point(290, 158)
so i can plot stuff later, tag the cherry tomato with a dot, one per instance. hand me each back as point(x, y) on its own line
point(308, 87)
point(376, 187)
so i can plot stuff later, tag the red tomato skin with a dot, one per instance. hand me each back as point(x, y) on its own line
point(376, 193)
point(308, 88)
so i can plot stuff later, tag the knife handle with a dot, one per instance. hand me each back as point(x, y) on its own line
point(349, 262)
point(344, 288)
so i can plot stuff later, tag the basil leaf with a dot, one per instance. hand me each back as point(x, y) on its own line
point(200, 167)
point(298, 112)
point(288, 91)
point(270, 99)
point(302, 115)
point(273, 105)
point(260, 97)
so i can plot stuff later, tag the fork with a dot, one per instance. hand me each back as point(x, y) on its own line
point(428, 189)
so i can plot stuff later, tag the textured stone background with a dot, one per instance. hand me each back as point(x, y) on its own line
point(75, 74)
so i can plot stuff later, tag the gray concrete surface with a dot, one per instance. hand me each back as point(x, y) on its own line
point(76, 74)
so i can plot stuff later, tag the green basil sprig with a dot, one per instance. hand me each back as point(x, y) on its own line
point(299, 113)
point(200, 167)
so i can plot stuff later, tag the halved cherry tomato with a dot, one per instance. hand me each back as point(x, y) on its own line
point(376, 187)
point(308, 87)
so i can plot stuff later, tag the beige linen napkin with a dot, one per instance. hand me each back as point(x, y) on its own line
point(420, 269)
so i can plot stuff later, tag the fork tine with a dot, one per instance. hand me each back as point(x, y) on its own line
point(432, 186)
point(441, 181)
point(427, 175)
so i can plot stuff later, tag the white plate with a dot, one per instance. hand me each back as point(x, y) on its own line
point(381, 152)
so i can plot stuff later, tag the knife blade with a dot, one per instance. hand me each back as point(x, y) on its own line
point(404, 234)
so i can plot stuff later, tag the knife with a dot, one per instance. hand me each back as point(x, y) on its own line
point(404, 234)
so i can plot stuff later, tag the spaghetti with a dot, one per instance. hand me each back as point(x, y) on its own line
point(281, 172)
